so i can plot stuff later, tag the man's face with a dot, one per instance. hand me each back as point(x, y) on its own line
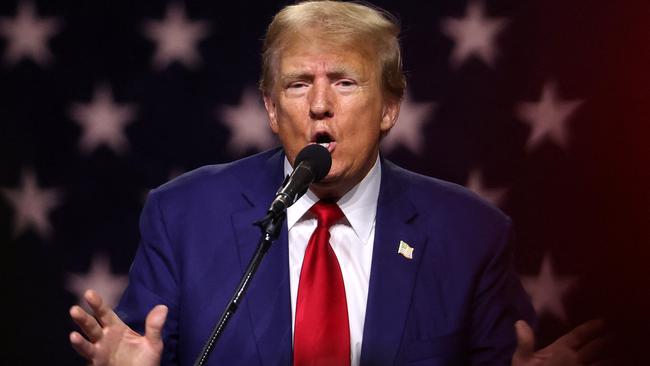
point(330, 95)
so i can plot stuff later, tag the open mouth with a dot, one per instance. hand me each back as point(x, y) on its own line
point(324, 139)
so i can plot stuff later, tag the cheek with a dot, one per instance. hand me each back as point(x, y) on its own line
point(364, 134)
point(358, 144)
point(290, 118)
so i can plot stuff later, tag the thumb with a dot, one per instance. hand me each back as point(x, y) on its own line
point(525, 341)
point(154, 323)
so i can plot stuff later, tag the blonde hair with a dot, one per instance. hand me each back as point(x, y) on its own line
point(339, 23)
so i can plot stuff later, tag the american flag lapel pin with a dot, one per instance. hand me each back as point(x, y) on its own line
point(405, 250)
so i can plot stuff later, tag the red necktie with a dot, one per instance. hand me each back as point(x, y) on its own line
point(322, 332)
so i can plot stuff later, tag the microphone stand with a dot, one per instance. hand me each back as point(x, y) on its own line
point(270, 226)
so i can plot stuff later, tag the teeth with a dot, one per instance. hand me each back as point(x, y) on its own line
point(324, 144)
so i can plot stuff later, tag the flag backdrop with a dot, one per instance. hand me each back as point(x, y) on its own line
point(539, 106)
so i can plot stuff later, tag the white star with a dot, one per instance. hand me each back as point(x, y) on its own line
point(408, 129)
point(248, 123)
point(548, 117)
point(103, 122)
point(27, 35)
point(100, 279)
point(176, 38)
point(476, 185)
point(547, 289)
point(32, 205)
point(473, 35)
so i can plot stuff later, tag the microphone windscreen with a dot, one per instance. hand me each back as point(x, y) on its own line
point(319, 159)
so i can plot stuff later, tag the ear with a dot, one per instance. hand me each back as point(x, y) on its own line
point(269, 104)
point(389, 114)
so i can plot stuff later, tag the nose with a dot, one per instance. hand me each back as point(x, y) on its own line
point(321, 101)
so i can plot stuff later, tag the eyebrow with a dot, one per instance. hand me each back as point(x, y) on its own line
point(335, 73)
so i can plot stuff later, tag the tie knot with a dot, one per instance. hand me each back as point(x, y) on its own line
point(327, 213)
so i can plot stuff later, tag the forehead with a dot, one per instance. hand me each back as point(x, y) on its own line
point(310, 54)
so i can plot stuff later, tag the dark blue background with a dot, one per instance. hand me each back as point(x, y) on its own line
point(588, 205)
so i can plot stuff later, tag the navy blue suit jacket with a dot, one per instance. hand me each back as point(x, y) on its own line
point(454, 303)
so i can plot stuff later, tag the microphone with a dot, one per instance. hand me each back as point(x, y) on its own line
point(312, 164)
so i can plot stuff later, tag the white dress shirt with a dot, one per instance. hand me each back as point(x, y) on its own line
point(352, 241)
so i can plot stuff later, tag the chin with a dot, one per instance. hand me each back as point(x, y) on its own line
point(329, 181)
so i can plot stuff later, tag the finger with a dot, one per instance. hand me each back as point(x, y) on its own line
point(596, 350)
point(154, 324)
point(104, 314)
point(88, 324)
point(84, 348)
point(583, 333)
point(525, 340)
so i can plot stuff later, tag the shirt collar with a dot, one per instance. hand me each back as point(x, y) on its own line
point(359, 205)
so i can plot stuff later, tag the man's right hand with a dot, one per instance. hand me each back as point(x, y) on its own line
point(108, 341)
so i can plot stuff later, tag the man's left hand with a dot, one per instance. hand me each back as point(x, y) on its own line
point(584, 345)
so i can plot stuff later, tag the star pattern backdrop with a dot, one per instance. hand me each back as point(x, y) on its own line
point(540, 107)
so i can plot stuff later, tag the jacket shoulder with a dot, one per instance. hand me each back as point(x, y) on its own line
point(210, 179)
point(452, 202)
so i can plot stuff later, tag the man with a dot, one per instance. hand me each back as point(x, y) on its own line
point(331, 75)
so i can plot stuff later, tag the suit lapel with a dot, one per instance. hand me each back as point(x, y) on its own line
point(268, 298)
point(392, 276)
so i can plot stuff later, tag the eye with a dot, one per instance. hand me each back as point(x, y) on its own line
point(296, 88)
point(297, 85)
point(345, 85)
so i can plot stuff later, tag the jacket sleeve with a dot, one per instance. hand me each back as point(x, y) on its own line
point(499, 302)
point(153, 279)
